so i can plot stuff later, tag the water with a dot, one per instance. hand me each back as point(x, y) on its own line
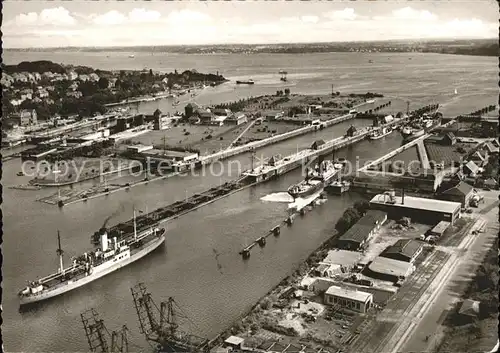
point(186, 268)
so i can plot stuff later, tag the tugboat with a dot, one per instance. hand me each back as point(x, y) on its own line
point(111, 256)
point(378, 134)
point(247, 82)
point(317, 180)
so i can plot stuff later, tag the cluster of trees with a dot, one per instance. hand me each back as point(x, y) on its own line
point(352, 215)
point(367, 95)
point(286, 92)
point(39, 66)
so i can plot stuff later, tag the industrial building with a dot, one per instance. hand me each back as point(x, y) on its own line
point(439, 229)
point(361, 232)
point(390, 270)
point(462, 193)
point(406, 250)
point(349, 298)
point(236, 119)
point(426, 211)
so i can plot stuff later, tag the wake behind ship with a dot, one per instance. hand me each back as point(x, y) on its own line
point(317, 180)
point(92, 265)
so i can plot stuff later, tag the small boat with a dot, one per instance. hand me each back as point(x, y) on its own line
point(378, 134)
point(131, 56)
point(338, 187)
point(247, 82)
point(456, 91)
point(370, 101)
point(176, 103)
point(20, 173)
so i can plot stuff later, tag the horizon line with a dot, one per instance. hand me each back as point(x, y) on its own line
point(251, 44)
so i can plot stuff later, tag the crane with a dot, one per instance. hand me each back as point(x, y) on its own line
point(98, 335)
point(160, 325)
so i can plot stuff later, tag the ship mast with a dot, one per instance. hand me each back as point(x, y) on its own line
point(135, 227)
point(60, 253)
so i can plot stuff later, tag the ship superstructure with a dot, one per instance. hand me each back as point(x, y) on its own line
point(315, 180)
point(109, 257)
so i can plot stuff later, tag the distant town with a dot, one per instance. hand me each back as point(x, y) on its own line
point(478, 47)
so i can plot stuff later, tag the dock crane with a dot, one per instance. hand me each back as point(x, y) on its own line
point(160, 325)
point(97, 334)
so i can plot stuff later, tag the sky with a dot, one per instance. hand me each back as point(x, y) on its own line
point(131, 23)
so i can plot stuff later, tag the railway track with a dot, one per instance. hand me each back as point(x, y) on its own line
point(375, 332)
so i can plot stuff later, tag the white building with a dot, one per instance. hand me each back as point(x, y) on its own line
point(72, 76)
point(349, 298)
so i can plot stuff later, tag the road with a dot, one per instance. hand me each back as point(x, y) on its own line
point(429, 322)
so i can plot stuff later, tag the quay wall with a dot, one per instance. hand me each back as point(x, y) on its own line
point(271, 140)
point(395, 152)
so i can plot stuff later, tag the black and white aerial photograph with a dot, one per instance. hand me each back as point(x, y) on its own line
point(250, 176)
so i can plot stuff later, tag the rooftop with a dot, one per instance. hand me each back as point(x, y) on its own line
point(407, 247)
point(441, 227)
point(419, 203)
point(462, 188)
point(234, 340)
point(469, 307)
point(472, 166)
point(390, 266)
point(360, 230)
point(349, 293)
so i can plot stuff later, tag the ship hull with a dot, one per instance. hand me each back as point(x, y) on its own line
point(94, 276)
point(310, 191)
point(245, 82)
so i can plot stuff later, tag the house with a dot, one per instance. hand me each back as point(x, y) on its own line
point(348, 298)
point(206, 118)
point(72, 75)
point(480, 159)
point(74, 94)
point(462, 192)
point(491, 148)
point(274, 115)
point(360, 233)
point(449, 139)
point(491, 183)
point(471, 169)
point(236, 119)
point(469, 308)
point(27, 117)
point(234, 342)
point(328, 270)
point(406, 250)
point(42, 93)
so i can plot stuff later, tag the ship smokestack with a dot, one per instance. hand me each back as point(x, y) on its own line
point(104, 241)
point(402, 196)
point(115, 243)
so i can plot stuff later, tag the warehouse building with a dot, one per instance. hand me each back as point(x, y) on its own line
point(390, 270)
point(360, 233)
point(426, 211)
point(462, 192)
point(406, 250)
point(349, 298)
